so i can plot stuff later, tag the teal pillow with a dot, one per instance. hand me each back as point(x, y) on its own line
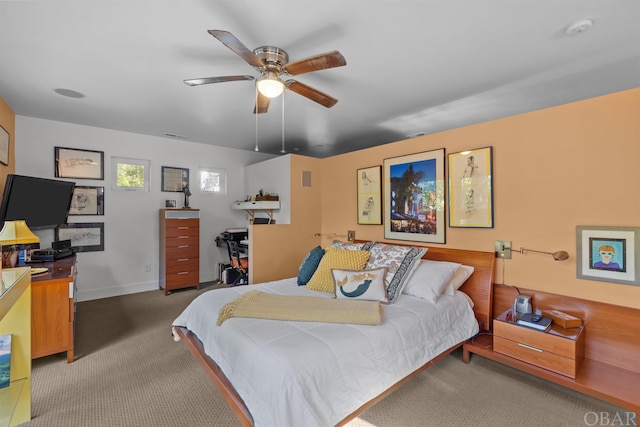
point(309, 265)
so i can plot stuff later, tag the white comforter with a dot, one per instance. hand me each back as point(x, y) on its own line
point(315, 374)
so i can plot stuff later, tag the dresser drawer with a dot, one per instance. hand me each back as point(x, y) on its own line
point(181, 222)
point(183, 251)
point(182, 279)
point(536, 356)
point(182, 241)
point(182, 231)
point(181, 265)
point(544, 341)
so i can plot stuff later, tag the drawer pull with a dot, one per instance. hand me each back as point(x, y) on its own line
point(184, 272)
point(183, 237)
point(530, 348)
point(183, 228)
point(183, 259)
point(183, 246)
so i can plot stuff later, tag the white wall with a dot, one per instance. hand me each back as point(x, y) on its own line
point(272, 176)
point(131, 218)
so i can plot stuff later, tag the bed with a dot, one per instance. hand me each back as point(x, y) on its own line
point(280, 373)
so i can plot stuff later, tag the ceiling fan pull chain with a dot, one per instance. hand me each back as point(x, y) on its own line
point(283, 150)
point(256, 114)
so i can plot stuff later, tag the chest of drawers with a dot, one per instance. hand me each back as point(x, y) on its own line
point(559, 350)
point(179, 249)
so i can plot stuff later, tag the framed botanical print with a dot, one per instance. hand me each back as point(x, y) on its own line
point(369, 195)
point(608, 254)
point(414, 194)
point(85, 237)
point(471, 188)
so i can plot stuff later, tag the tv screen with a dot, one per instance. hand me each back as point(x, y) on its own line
point(41, 202)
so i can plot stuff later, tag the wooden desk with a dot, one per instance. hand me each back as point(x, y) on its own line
point(53, 308)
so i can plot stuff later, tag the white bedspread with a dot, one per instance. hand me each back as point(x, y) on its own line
point(315, 374)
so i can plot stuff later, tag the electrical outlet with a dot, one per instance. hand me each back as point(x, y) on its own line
point(503, 249)
point(351, 235)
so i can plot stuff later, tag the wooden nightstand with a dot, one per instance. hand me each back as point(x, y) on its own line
point(559, 350)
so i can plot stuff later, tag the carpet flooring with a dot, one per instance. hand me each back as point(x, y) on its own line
point(129, 372)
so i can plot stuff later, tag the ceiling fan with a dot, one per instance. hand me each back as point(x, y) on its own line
point(273, 63)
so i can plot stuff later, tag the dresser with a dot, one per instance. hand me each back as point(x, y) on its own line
point(53, 306)
point(179, 249)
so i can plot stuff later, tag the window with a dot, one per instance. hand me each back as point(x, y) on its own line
point(129, 174)
point(213, 181)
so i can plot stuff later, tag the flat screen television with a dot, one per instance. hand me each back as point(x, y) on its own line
point(41, 202)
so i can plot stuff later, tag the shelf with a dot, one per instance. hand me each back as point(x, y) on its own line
point(250, 207)
point(594, 378)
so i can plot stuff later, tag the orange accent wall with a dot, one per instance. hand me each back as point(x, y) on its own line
point(553, 169)
point(8, 122)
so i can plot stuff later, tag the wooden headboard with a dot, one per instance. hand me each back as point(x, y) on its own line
point(479, 286)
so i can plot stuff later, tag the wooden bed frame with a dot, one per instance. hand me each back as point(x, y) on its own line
point(479, 287)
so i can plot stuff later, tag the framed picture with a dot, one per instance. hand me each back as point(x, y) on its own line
point(471, 188)
point(4, 146)
point(174, 179)
point(87, 201)
point(84, 236)
point(414, 206)
point(369, 195)
point(75, 163)
point(608, 254)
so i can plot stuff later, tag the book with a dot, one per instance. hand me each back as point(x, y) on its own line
point(5, 360)
point(529, 320)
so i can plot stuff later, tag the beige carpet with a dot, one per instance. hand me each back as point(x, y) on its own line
point(129, 372)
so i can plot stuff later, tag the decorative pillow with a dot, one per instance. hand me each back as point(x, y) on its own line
point(351, 246)
point(460, 276)
point(361, 284)
point(430, 279)
point(309, 265)
point(342, 259)
point(400, 262)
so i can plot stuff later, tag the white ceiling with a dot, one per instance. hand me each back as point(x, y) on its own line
point(412, 66)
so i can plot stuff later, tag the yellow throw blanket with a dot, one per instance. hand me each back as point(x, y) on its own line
point(261, 305)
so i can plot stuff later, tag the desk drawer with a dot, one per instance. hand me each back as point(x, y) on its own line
point(535, 356)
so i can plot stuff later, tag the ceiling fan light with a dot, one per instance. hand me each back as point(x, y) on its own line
point(270, 85)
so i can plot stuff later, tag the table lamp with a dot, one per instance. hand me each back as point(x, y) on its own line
point(14, 237)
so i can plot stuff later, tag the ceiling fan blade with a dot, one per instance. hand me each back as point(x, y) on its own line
point(314, 63)
point(207, 80)
point(230, 41)
point(262, 104)
point(311, 93)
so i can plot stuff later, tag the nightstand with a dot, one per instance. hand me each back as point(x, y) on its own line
point(559, 350)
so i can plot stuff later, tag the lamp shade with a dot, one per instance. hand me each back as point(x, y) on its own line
point(17, 233)
point(270, 85)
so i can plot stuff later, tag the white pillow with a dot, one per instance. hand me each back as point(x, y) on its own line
point(361, 284)
point(460, 276)
point(430, 279)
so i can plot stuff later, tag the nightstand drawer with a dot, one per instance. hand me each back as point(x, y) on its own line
point(538, 339)
point(536, 356)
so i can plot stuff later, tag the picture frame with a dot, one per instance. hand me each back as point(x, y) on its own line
point(608, 254)
point(174, 179)
point(84, 236)
point(471, 188)
point(370, 195)
point(415, 198)
point(77, 163)
point(5, 140)
point(87, 200)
